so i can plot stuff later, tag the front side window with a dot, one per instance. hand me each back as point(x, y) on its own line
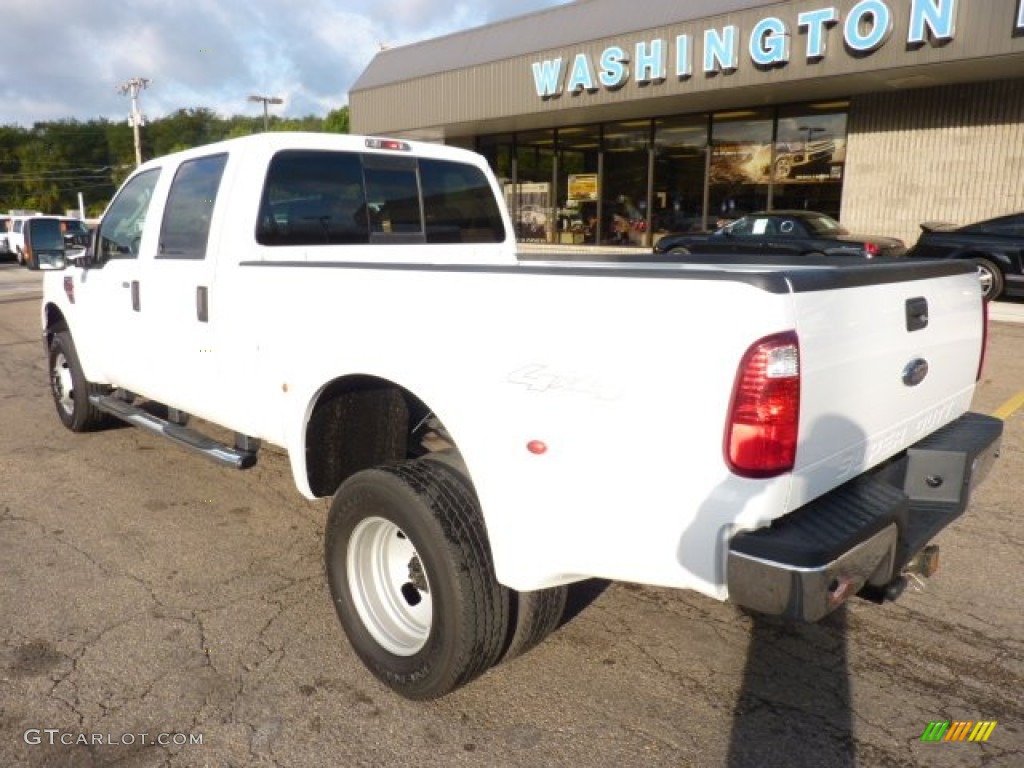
point(121, 229)
point(186, 225)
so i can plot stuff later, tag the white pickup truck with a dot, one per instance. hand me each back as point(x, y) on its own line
point(493, 427)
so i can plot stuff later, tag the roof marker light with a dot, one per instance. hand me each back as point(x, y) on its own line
point(392, 144)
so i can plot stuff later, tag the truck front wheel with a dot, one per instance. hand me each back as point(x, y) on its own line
point(70, 388)
point(410, 572)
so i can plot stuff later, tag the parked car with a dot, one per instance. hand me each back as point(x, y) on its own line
point(996, 246)
point(773, 233)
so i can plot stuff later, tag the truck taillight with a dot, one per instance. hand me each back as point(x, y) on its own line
point(764, 413)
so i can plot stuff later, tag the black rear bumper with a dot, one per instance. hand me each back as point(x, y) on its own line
point(862, 534)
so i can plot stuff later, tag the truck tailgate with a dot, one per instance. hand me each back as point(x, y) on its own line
point(883, 365)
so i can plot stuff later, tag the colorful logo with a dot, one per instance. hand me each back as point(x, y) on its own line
point(958, 730)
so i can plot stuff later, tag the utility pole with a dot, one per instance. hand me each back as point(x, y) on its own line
point(132, 87)
point(266, 100)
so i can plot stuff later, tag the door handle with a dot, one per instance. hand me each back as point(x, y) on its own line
point(202, 304)
point(136, 301)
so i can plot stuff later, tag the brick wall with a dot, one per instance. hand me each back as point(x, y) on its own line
point(950, 153)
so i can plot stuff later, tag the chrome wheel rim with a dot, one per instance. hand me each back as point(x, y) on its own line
point(61, 382)
point(389, 586)
point(986, 278)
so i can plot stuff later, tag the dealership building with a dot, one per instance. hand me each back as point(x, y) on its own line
point(613, 122)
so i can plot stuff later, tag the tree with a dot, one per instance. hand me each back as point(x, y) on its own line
point(48, 166)
point(337, 120)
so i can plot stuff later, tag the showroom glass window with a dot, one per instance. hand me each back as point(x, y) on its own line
point(810, 157)
point(680, 167)
point(624, 187)
point(531, 200)
point(741, 163)
point(578, 185)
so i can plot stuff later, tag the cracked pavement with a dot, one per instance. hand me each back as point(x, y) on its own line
point(146, 590)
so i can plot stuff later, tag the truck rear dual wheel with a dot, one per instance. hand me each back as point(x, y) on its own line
point(412, 578)
point(70, 388)
point(536, 615)
point(410, 572)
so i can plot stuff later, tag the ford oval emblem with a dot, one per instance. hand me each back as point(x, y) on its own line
point(915, 372)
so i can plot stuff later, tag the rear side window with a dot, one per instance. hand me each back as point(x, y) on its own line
point(186, 225)
point(458, 204)
point(316, 197)
point(1007, 226)
point(313, 198)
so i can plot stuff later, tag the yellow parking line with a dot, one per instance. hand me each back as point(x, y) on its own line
point(1007, 409)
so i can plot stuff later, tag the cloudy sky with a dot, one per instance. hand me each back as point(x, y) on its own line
point(65, 58)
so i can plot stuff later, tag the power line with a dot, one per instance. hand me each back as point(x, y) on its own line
point(44, 175)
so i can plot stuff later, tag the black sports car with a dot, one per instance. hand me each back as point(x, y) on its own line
point(995, 245)
point(774, 233)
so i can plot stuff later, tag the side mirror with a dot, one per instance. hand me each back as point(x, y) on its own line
point(44, 244)
point(78, 256)
point(83, 254)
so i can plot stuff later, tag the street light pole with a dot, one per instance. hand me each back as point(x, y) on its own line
point(132, 87)
point(266, 100)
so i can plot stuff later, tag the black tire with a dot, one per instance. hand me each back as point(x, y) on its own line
point(537, 614)
point(418, 523)
point(814, 254)
point(70, 388)
point(991, 279)
point(679, 250)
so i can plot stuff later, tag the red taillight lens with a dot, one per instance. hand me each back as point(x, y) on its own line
point(764, 414)
point(871, 250)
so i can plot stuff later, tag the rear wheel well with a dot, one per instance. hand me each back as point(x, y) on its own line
point(360, 422)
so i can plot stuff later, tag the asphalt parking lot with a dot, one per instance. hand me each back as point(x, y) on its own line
point(148, 595)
